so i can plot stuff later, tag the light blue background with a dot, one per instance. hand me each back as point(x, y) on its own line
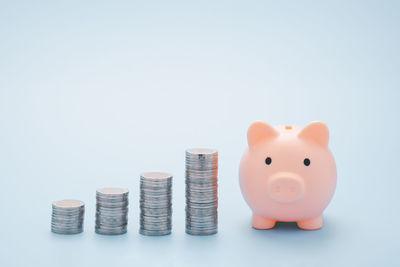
point(92, 94)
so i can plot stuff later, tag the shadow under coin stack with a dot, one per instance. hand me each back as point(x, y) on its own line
point(201, 191)
point(67, 216)
point(155, 203)
point(111, 211)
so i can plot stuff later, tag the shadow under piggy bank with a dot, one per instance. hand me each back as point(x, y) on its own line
point(288, 233)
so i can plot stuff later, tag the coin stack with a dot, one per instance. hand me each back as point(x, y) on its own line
point(201, 191)
point(111, 211)
point(67, 216)
point(155, 203)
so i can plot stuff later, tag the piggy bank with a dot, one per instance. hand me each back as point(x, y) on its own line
point(287, 174)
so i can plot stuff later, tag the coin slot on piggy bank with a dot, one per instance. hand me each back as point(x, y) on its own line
point(287, 174)
point(288, 127)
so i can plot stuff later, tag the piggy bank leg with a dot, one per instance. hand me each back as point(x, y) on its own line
point(261, 222)
point(310, 224)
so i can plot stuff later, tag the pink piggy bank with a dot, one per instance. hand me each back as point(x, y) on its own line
point(287, 174)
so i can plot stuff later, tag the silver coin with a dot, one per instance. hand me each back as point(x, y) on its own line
point(112, 191)
point(68, 204)
point(67, 232)
point(201, 232)
point(156, 212)
point(154, 233)
point(156, 176)
point(201, 152)
point(112, 231)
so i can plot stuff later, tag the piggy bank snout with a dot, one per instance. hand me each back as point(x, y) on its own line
point(286, 187)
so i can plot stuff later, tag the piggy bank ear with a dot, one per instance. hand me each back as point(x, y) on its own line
point(260, 131)
point(316, 132)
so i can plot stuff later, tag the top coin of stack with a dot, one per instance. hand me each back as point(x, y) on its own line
point(67, 216)
point(155, 203)
point(201, 191)
point(111, 211)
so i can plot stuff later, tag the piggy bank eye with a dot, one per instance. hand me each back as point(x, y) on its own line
point(268, 161)
point(307, 161)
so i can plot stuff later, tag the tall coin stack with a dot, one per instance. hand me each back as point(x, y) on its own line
point(111, 211)
point(155, 203)
point(201, 191)
point(67, 216)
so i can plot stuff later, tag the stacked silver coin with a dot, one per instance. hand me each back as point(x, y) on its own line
point(67, 216)
point(155, 203)
point(201, 191)
point(111, 211)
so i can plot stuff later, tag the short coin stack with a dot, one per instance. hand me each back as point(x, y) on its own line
point(67, 216)
point(155, 203)
point(111, 211)
point(201, 191)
